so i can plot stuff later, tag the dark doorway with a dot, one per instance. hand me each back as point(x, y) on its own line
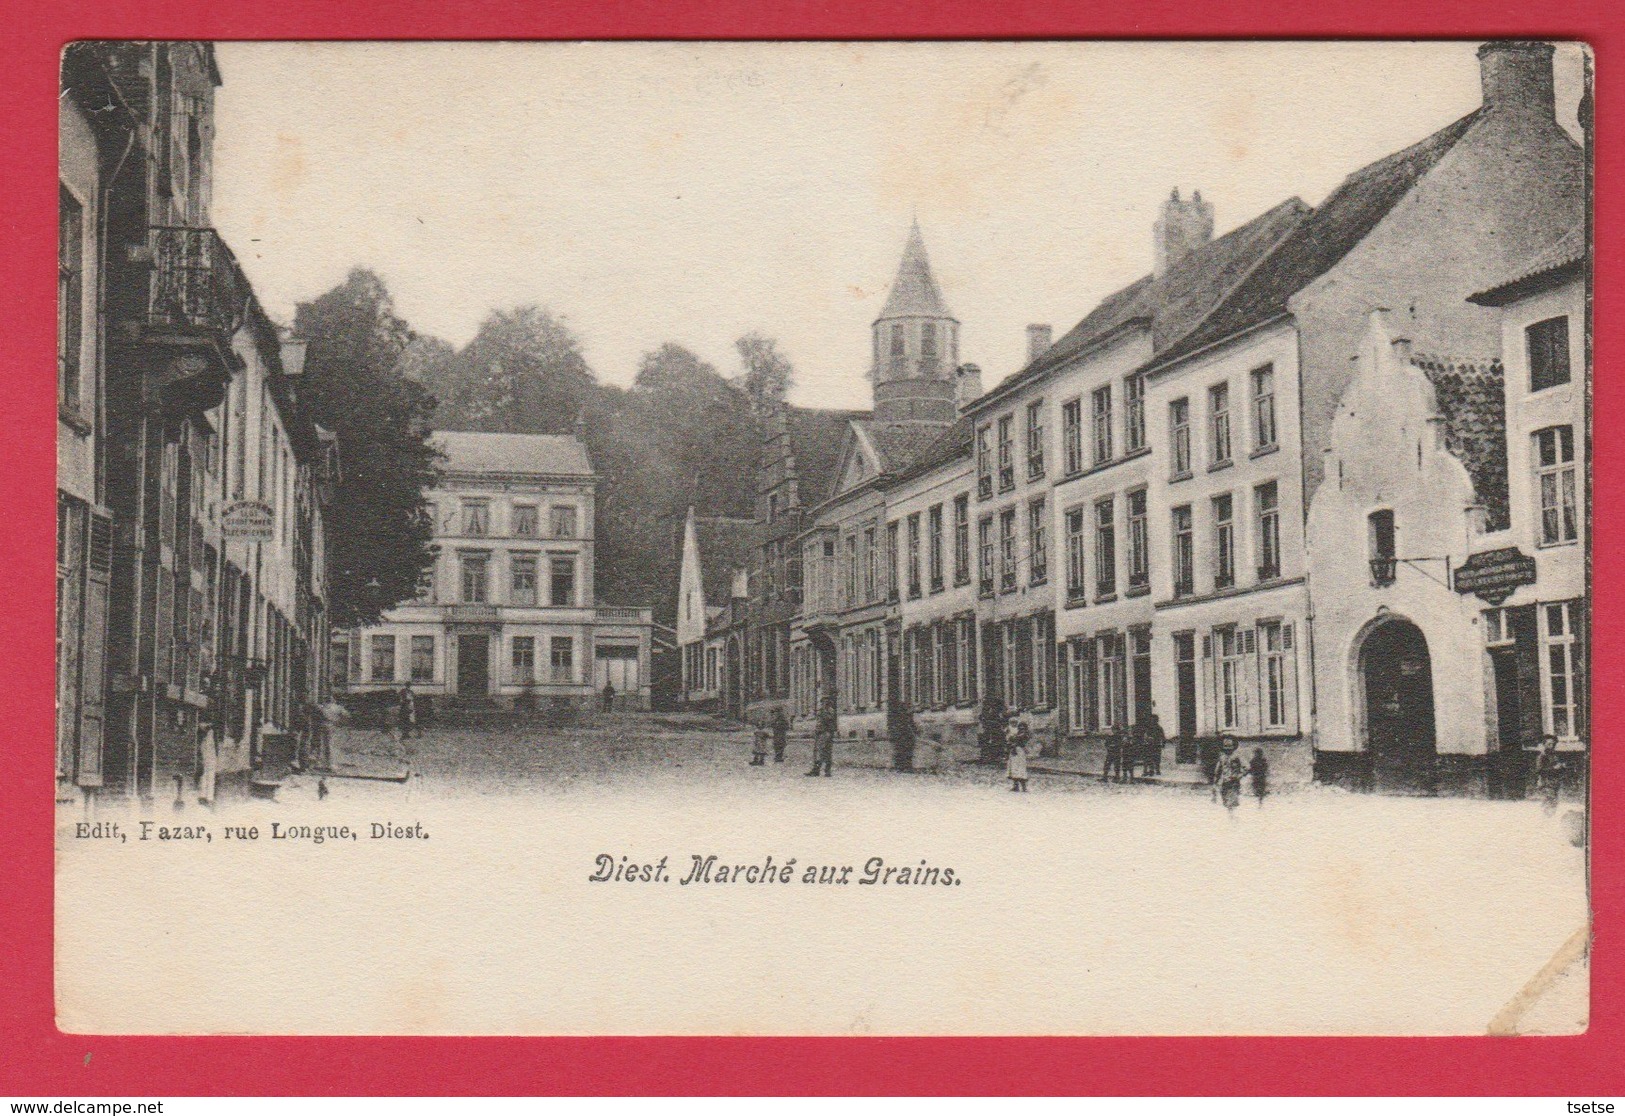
point(1508, 767)
point(1140, 668)
point(1185, 693)
point(473, 665)
point(1398, 679)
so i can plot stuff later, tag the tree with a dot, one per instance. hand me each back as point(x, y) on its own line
point(377, 527)
point(767, 374)
point(523, 373)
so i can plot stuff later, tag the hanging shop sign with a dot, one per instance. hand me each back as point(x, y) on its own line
point(1494, 574)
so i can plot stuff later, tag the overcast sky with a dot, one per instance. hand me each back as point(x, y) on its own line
point(689, 193)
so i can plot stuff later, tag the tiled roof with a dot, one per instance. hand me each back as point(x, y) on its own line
point(1172, 304)
point(725, 545)
point(949, 445)
point(914, 292)
point(1553, 263)
point(1472, 401)
point(817, 438)
point(553, 454)
point(1320, 240)
point(899, 443)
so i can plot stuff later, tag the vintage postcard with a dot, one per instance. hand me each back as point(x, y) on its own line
point(808, 538)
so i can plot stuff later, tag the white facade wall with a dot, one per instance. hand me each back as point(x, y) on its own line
point(1266, 609)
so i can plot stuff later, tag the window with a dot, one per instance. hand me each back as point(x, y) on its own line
point(1100, 411)
point(524, 521)
point(1035, 440)
point(70, 297)
point(891, 560)
point(1560, 661)
point(1275, 640)
point(1009, 670)
point(524, 660)
point(1179, 436)
point(984, 463)
point(1266, 504)
point(928, 341)
point(962, 539)
point(522, 590)
point(984, 538)
point(1007, 465)
point(1184, 553)
point(1232, 646)
point(934, 541)
point(1081, 713)
point(563, 522)
point(1224, 542)
point(912, 555)
point(425, 592)
point(474, 579)
point(1380, 543)
point(561, 591)
point(1134, 413)
point(1038, 541)
point(383, 658)
point(1218, 429)
point(1263, 380)
point(476, 518)
point(1112, 698)
point(1106, 547)
point(1007, 550)
point(1554, 472)
point(561, 655)
point(1072, 435)
point(871, 560)
point(1043, 659)
point(1075, 564)
point(967, 658)
point(1139, 541)
point(1548, 346)
point(849, 571)
point(897, 347)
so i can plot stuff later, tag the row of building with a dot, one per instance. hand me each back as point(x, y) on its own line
point(191, 623)
point(1318, 483)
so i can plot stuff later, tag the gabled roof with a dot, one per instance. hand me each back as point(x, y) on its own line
point(1556, 264)
point(1172, 304)
point(1472, 401)
point(899, 443)
point(725, 545)
point(551, 454)
point(914, 293)
point(1319, 241)
point(817, 439)
point(949, 445)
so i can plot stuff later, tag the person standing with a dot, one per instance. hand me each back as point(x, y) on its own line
point(1114, 759)
point(1228, 774)
point(781, 734)
point(1019, 741)
point(758, 747)
point(1155, 741)
point(1259, 768)
point(824, 738)
point(609, 697)
point(408, 712)
point(1546, 780)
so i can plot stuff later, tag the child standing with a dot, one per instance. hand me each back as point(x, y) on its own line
point(758, 746)
point(1017, 741)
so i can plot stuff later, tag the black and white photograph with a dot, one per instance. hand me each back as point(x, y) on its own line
point(896, 538)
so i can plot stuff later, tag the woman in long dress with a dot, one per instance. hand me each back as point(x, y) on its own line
point(1015, 768)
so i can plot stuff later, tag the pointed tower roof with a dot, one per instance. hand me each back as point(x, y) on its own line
point(914, 293)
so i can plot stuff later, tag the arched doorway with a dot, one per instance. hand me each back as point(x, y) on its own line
point(1396, 679)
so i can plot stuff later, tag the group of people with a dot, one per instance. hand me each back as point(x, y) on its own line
point(1141, 747)
point(1231, 769)
point(776, 731)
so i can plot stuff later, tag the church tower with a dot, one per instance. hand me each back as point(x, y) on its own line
point(916, 344)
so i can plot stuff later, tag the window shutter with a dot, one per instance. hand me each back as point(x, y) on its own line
point(1291, 672)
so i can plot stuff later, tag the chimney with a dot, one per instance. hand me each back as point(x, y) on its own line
point(968, 384)
point(1517, 77)
point(1182, 226)
point(1039, 339)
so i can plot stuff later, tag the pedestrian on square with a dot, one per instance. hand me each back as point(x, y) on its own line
point(1018, 741)
point(1114, 759)
point(609, 697)
point(1259, 768)
point(1155, 741)
point(758, 747)
point(824, 738)
point(408, 712)
point(781, 734)
point(1546, 781)
point(1228, 774)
